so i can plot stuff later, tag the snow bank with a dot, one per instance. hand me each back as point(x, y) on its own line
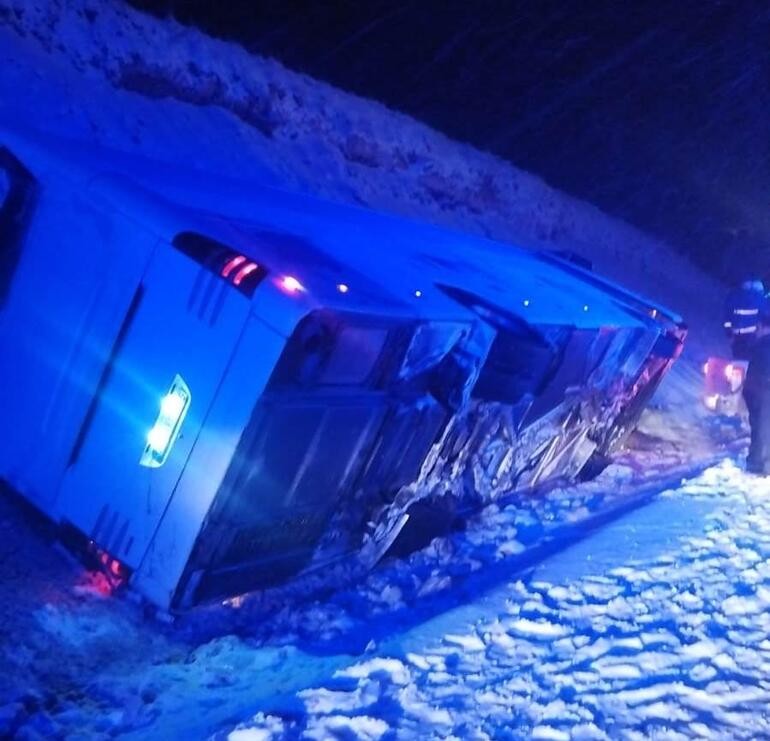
point(659, 669)
point(307, 133)
point(107, 74)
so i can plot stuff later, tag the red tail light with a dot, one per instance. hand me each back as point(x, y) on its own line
point(240, 271)
point(231, 265)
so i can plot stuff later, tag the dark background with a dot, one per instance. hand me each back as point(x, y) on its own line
point(657, 112)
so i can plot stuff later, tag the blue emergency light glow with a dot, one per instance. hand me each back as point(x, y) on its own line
point(163, 435)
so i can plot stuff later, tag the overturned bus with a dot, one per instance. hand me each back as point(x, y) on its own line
point(220, 387)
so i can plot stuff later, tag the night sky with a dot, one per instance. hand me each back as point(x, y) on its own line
point(656, 112)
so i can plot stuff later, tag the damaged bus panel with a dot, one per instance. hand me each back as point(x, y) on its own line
point(219, 388)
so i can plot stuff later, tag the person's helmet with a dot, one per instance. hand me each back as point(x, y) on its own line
point(752, 282)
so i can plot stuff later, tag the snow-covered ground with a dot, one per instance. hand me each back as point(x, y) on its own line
point(655, 626)
point(655, 622)
point(533, 623)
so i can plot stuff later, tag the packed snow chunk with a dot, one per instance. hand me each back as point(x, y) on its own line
point(702, 700)
point(629, 643)
point(663, 711)
point(658, 662)
point(509, 548)
point(440, 677)
point(745, 642)
point(433, 584)
point(492, 699)
point(611, 670)
point(325, 701)
point(265, 728)
point(689, 601)
point(564, 646)
point(602, 591)
point(537, 608)
point(416, 707)
point(360, 727)
point(659, 638)
point(624, 572)
point(702, 673)
point(251, 734)
point(502, 641)
point(721, 695)
point(395, 669)
point(645, 695)
point(391, 596)
point(593, 651)
point(538, 629)
point(724, 661)
point(419, 661)
point(703, 649)
point(566, 594)
point(468, 642)
point(587, 732)
point(735, 606)
point(549, 733)
point(558, 712)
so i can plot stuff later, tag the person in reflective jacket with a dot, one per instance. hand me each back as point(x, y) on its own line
point(742, 309)
point(756, 392)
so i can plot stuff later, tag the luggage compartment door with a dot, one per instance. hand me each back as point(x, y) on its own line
point(178, 334)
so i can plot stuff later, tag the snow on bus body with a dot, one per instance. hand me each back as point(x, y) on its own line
point(195, 396)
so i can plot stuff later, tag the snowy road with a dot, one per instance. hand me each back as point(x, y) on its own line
point(656, 626)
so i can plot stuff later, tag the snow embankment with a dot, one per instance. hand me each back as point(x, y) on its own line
point(107, 74)
point(222, 109)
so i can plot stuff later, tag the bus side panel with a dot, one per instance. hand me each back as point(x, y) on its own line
point(75, 279)
point(250, 368)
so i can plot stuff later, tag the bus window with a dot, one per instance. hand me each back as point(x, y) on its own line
point(325, 350)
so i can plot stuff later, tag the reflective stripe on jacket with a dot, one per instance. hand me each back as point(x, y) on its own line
point(742, 310)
